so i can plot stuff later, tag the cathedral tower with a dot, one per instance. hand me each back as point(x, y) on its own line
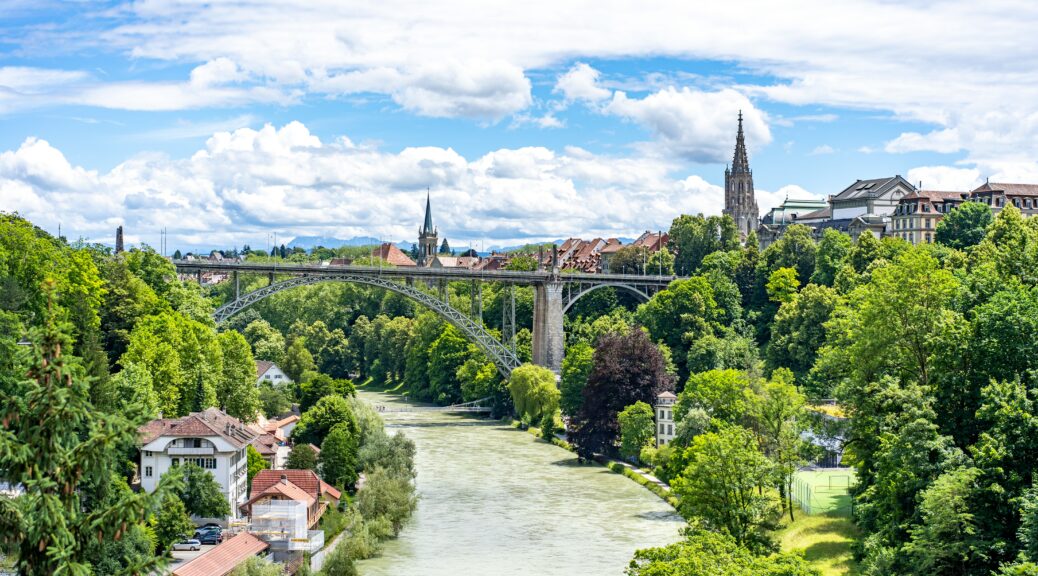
point(739, 200)
point(427, 244)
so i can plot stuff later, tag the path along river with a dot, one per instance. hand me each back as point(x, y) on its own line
point(495, 501)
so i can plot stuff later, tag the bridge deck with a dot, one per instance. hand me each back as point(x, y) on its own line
point(405, 409)
point(508, 276)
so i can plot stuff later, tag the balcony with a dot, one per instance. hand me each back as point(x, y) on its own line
point(313, 542)
point(176, 451)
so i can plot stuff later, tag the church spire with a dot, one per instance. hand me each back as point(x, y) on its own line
point(740, 161)
point(428, 226)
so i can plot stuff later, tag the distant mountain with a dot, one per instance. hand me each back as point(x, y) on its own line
point(310, 242)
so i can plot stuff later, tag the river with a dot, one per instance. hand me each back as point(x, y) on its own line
point(495, 501)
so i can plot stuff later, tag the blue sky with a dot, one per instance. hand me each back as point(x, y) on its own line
point(224, 122)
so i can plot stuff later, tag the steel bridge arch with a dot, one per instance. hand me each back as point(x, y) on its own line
point(503, 358)
point(643, 294)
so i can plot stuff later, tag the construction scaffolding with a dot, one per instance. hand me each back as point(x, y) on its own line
point(283, 524)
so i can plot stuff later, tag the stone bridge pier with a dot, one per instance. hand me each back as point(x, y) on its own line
point(548, 336)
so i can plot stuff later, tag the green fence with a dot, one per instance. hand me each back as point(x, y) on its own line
point(824, 491)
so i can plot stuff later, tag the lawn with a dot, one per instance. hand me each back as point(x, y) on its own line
point(824, 491)
point(825, 540)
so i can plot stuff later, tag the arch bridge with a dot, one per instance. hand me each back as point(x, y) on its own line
point(554, 294)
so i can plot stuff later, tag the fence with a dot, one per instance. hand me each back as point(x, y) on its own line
point(824, 491)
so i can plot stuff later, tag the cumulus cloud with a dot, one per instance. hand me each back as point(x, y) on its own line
point(580, 84)
point(944, 178)
point(820, 150)
point(694, 124)
point(945, 141)
point(247, 182)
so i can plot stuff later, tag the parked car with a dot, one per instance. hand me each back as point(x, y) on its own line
point(192, 545)
point(210, 537)
point(209, 525)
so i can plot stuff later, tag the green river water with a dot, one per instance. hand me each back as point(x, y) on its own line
point(495, 501)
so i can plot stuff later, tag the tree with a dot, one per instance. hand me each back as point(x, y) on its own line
point(479, 378)
point(387, 496)
point(946, 541)
point(629, 260)
point(661, 262)
point(267, 343)
point(627, 368)
point(521, 263)
point(723, 394)
point(964, 226)
point(274, 399)
point(320, 385)
point(172, 523)
point(637, 428)
point(831, 256)
point(395, 454)
point(338, 457)
point(576, 365)
point(113, 557)
point(779, 413)
point(133, 385)
point(683, 312)
point(297, 360)
point(316, 422)
point(799, 331)
point(534, 392)
point(256, 462)
point(707, 553)
point(445, 248)
point(301, 457)
point(694, 237)
point(448, 352)
point(200, 492)
point(237, 392)
point(339, 563)
point(721, 484)
point(256, 566)
point(782, 285)
point(53, 441)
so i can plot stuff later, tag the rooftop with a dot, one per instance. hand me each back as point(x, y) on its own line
point(223, 558)
point(209, 422)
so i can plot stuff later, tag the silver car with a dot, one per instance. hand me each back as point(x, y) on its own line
point(192, 545)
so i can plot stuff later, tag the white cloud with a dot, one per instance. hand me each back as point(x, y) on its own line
point(245, 183)
point(694, 124)
point(945, 141)
point(820, 150)
point(944, 178)
point(767, 200)
point(580, 84)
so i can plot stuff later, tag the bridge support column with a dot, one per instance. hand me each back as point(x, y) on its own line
point(237, 285)
point(548, 336)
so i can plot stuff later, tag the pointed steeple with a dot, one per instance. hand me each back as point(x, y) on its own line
point(740, 161)
point(428, 226)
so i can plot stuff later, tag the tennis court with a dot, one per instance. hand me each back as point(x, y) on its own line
point(824, 490)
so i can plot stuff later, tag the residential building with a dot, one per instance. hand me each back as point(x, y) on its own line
point(224, 557)
point(211, 438)
point(607, 252)
point(285, 508)
point(917, 214)
point(999, 195)
point(297, 485)
point(665, 418)
point(740, 202)
point(267, 371)
point(774, 223)
point(390, 254)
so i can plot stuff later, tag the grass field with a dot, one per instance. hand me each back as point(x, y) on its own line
point(825, 540)
point(824, 491)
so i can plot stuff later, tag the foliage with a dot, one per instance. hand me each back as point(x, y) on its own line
point(200, 492)
point(338, 562)
point(782, 285)
point(274, 399)
point(576, 365)
point(338, 457)
point(255, 566)
point(534, 392)
point(637, 428)
point(693, 238)
point(521, 263)
point(832, 253)
point(446, 355)
point(394, 454)
point(172, 523)
point(799, 332)
point(301, 457)
point(256, 462)
point(682, 313)
point(387, 495)
point(706, 553)
point(317, 386)
point(965, 226)
point(236, 391)
point(721, 485)
point(297, 360)
point(780, 417)
point(626, 369)
point(266, 341)
point(316, 422)
point(724, 395)
point(53, 441)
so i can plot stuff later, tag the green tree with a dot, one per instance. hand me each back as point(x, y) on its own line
point(521, 263)
point(53, 441)
point(133, 384)
point(704, 552)
point(576, 365)
point(965, 226)
point(338, 457)
point(200, 492)
point(945, 540)
point(478, 378)
point(256, 566)
point(387, 496)
point(297, 360)
point(274, 399)
point(237, 392)
point(316, 422)
point(534, 392)
point(694, 237)
point(799, 331)
point(172, 523)
point(833, 251)
point(267, 343)
point(301, 457)
point(394, 454)
point(448, 352)
point(682, 313)
point(637, 428)
point(256, 462)
point(721, 484)
point(780, 416)
point(661, 262)
point(783, 285)
point(724, 395)
point(339, 563)
point(320, 385)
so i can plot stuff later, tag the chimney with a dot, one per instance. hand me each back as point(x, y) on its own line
point(118, 240)
point(284, 479)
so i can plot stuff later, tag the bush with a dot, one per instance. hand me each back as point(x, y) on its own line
point(384, 494)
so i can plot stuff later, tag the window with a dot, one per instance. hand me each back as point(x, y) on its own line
point(661, 414)
point(175, 462)
point(926, 207)
point(661, 428)
point(147, 453)
point(928, 238)
point(198, 442)
point(277, 376)
point(670, 429)
point(147, 471)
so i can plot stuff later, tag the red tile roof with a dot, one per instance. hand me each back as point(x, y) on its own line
point(393, 255)
point(223, 558)
point(1009, 189)
point(209, 422)
point(307, 480)
point(274, 425)
point(261, 367)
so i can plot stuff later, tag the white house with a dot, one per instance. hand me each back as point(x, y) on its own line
point(269, 372)
point(212, 439)
point(665, 418)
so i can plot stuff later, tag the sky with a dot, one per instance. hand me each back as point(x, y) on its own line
point(225, 122)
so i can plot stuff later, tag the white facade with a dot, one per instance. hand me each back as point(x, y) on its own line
point(665, 418)
point(274, 375)
point(227, 462)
